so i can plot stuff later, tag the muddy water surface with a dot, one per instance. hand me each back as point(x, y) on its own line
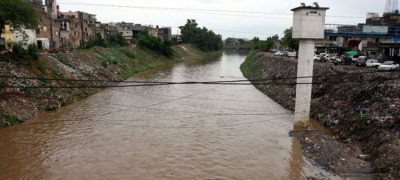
point(179, 132)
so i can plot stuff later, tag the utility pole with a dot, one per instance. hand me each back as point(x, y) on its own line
point(308, 26)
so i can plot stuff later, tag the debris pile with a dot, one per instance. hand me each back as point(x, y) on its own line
point(360, 104)
point(107, 64)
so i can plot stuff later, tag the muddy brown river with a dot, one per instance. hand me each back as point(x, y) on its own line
point(177, 132)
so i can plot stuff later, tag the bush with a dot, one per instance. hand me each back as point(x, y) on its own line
point(41, 66)
point(96, 40)
point(104, 64)
point(128, 53)
point(33, 52)
point(11, 120)
point(116, 39)
point(18, 50)
point(51, 108)
point(155, 44)
point(2, 84)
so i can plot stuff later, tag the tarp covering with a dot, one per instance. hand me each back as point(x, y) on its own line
point(352, 53)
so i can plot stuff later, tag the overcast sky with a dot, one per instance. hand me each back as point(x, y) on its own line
point(245, 25)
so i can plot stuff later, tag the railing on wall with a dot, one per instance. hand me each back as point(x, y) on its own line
point(362, 30)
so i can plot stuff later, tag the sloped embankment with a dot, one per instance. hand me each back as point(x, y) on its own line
point(116, 64)
point(338, 105)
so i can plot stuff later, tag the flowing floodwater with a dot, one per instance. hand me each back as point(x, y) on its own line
point(177, 132)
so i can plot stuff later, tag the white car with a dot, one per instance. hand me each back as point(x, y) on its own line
point(279, 53)
point(317, 58)
point(373, 63)
point(292, 54)
point(389, 66)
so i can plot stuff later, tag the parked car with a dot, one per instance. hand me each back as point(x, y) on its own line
point(373, 63)
point(317, 58)
point(324, 57)
point(354, 59)
point(279, 53)
point(338, 60)
point(347, 60)
point(332, 57)
point(389, 66)
point(292, 54)
point(275, 50)
point(361, 61)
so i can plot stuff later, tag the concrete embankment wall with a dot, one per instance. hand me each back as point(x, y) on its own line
point(116, 64)
point(337, 105)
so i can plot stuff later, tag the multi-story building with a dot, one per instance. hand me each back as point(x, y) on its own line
point(109, 28)
point(70, 29)
point(24, 36)
point(126, 30)
point(80, 23)
point(7, 38)
point(165, 33)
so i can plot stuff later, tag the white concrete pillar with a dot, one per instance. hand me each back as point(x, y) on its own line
point(303, 91)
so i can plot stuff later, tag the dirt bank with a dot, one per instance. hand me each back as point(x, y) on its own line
point(364, 112)
point(21, 104)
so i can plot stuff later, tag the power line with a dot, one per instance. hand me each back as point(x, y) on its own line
point(191, 83)
point(192, 9)
point(188, 82)
point(199, 12)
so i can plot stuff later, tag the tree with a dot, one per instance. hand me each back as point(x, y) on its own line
point(116, 39)
point(17, 13)
point(156, 44)
point(202, 38)
point(289, 41)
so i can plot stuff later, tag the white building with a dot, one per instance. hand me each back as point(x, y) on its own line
point(25, 36)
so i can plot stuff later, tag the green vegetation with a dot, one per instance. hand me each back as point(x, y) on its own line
point(2, 84)
point(17, 13)
point(20, 53)
point(10, 120)
point(128, 52)
point(289, 41)
point(41, 66)
point(96, 40)
point(155, 44)
point(270, 43)
point(249, 68)
point(113, 40)
point(51, 108)
point(33, 52)
point(18, 50)
point(202, 38)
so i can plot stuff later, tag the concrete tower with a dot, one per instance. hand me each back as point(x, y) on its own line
point(308, 26)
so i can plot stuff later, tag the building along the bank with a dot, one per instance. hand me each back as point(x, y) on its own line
point(24, 36)
point(126, 30)
point(165, 33)
point(7, 38)
point(378, 37)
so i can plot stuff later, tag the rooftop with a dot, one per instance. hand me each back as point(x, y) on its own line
point(310, 7)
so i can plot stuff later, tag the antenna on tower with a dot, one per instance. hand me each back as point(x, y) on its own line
point(391, 6)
